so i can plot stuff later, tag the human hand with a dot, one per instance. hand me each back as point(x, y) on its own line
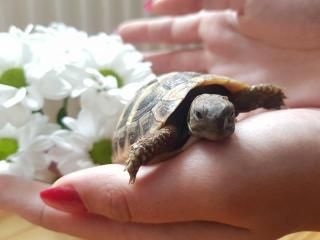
point(249, 186)
point(260, 45)
point(287, 23)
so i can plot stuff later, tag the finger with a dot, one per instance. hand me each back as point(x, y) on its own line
point(15, 190)
point(95, 227)
point(166, 30)
point(185, 60)
point(22, 197)
point(173, 191)
point(175, 7)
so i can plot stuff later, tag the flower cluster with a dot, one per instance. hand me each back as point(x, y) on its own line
point(61, 94)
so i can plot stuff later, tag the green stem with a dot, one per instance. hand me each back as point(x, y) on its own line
point(63, 112)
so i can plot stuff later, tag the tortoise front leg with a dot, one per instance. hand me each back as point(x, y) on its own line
point(266, 96)
point(148, 147)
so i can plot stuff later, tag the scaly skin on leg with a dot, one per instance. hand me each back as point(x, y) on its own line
point(266, 96)
point(148, 147)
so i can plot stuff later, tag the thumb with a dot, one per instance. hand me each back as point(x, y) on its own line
point(175, 190)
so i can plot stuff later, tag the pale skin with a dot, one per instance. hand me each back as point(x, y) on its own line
point(261, 183)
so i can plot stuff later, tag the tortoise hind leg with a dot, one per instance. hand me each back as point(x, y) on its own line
point(266, 96)
point(148, 147)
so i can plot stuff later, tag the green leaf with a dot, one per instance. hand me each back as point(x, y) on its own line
point(101, 152)
point(8, 146)
point(14, 77)
point(108, 72)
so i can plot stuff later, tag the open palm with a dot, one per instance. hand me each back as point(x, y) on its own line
point(248, 187)
point(229, 44)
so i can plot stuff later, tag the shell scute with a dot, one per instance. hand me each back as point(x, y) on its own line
point(121, 136)
point(148, 123)
point(133, 131)
point(124, 117)
point(176, 79)
point(164, 109)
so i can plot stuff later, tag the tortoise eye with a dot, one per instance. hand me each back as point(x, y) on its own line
point(199, 114)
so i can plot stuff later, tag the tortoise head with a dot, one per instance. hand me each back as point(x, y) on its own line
point(211, 116)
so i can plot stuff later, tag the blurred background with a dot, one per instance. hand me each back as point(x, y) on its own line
point(89, 15)
point(92, 16)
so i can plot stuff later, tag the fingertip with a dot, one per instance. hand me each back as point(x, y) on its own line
point(174, 7)
point(122, 30)
point(158, 7)
point(100, 190)
point(64, 198)
point(148, 6)
point(132, 31)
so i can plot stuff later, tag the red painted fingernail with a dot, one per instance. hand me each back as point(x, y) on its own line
point(63, 198)
point(148, 4)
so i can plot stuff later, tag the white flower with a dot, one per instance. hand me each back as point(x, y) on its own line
point(58, 48)
point(109, 63)
point(106, 76)
point(13, 56)
point(17, 115)
point(65, 40)
point(74, 58)
point(23, 83)
point(41, 67)
point(107, 104)
point(87, 144)
point(23, 150)
point(62, 50)
point(111, 57)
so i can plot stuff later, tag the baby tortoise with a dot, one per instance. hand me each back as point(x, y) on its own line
point(168, 111)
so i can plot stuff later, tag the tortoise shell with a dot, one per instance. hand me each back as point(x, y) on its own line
point(156, 102)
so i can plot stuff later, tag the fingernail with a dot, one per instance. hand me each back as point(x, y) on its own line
point(63, 198)
point(148, 4)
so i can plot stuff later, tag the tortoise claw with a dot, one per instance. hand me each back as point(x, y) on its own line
point(132, 179)
point(132, 170)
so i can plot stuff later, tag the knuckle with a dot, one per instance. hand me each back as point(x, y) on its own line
point(116, 205)
point(43, 219)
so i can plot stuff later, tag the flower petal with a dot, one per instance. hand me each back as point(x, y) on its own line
point(18, 97)
point(18, 115)
point(53, 87)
